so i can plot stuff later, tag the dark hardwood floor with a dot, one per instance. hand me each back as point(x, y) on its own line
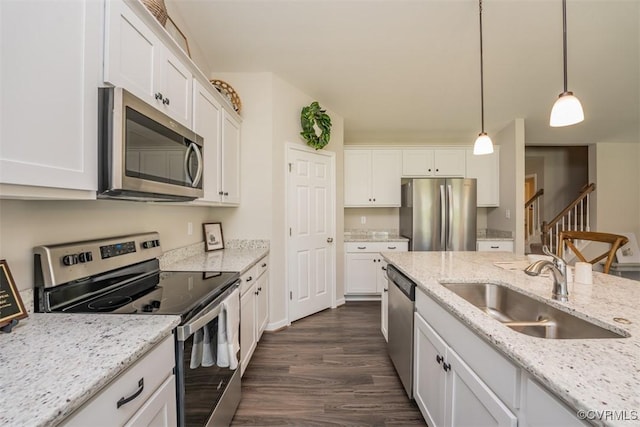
point(331, 368)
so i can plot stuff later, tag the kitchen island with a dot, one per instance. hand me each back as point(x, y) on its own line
point(586, 374)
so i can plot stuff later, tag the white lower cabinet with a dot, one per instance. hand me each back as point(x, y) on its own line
point(494, 245)
point(539, 408)
point(144, 394)
point(363, 266)
point(254, 308)
point(447, 391)
point(384, 300)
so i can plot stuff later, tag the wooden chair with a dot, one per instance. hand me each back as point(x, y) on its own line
point(615, 240)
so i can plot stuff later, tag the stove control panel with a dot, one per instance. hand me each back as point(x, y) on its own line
point(117, 249)
point(62, 263)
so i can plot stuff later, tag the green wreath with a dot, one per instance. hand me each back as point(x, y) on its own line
point(311, 117)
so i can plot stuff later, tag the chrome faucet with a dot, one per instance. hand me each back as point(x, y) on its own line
point(558, 269)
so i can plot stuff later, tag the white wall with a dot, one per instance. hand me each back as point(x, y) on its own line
point(617, 178)
point(511, 141)
point(28, 223)
point(271, 119)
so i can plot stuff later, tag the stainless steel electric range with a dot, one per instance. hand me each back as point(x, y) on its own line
point(122, 275)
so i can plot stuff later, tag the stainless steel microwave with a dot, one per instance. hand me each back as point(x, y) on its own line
point(143, 153)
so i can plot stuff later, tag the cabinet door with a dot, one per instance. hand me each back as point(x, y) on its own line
point(486, 169)
point(386, 171)
point(539, 408)
point(357, 178)
point(384, 310)
point(449, 163)
point(207, 117)
point(362, 274)
point(262, 303)
point(49, 74)
point(160, 409)
point(469, 401)
point(176, 87)
point(417, 163)
point(247, 326)
point(494, 246)
point(230, 160)
point(428, 375)
point(132, 53)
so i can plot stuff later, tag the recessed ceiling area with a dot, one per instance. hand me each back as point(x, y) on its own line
point(409, 71)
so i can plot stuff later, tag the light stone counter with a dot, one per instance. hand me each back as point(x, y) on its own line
point(358, 235)
point(588, 374)
point(237, 257)
point(52, 363)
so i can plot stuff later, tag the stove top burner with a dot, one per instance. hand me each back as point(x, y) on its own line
point(109, 303)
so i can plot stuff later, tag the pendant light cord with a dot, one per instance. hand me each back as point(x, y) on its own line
point(564, 41)
point(482, 70)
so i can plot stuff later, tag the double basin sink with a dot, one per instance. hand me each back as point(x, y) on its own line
point(527, 315)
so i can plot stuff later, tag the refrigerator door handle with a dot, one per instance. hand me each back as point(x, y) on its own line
point(443, 217)
point(450, 216)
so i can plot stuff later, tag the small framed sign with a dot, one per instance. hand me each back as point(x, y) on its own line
point(11, 305)
point(213, 236)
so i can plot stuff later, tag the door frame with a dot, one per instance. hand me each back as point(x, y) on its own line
point(290, 148)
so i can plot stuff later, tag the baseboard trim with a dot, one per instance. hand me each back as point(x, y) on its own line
point(340, 302)
point(272, 327)
point(362, 298)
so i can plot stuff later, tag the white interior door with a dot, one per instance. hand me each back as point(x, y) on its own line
point(311, 219)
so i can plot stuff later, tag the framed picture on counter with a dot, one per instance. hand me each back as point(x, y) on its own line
point(11, 305)
point(213, 236)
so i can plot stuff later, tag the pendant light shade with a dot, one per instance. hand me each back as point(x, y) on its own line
point(567, 109)
point(483, 144)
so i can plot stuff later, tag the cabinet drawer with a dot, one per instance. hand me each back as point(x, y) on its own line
point(262, 266)
point(376, 246)
point(152, 369)
point(481, 357)
point(248, 278)
point(495, 245)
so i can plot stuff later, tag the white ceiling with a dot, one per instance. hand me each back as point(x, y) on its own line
point(409, 70)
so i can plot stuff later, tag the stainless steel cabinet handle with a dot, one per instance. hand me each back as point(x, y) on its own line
point(329, 239)
point(124, 400)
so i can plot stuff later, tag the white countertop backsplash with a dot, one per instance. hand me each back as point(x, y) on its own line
point(52, 363)
point(588, 374)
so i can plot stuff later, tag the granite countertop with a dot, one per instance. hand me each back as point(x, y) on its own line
point(373, 236)
point(588, 374)
point(237, 258)
point(52, 363)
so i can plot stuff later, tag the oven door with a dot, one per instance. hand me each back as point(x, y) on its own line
point(208, 395)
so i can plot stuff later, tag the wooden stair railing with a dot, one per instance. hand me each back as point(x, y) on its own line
point(532, 214)
point(575, 217)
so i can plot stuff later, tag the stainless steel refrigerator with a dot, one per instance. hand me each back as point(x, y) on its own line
point(439, 214)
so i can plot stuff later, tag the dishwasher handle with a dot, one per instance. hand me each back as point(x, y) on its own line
point(402, 282)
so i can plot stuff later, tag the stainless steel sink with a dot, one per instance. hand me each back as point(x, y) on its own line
point(525, 314)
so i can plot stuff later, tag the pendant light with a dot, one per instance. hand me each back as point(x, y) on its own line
point(483, 144)
point(567, 109)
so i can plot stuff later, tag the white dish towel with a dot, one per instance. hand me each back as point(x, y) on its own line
point(228, 331)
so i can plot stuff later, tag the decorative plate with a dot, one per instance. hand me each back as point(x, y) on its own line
point(230, 93)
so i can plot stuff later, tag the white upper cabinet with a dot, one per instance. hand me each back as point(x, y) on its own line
point(207, 122)
point(486, 169)
point(221, 135)
point(230, 160)
point(372, 177)
point(421, 162)
point(137, 60)
point(49, 75)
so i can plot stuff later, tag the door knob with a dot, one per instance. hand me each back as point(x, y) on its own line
point(329, 239)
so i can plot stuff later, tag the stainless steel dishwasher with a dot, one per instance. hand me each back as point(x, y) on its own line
point(402, 296)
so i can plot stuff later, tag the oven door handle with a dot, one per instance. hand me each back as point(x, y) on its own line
point(210, 312)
